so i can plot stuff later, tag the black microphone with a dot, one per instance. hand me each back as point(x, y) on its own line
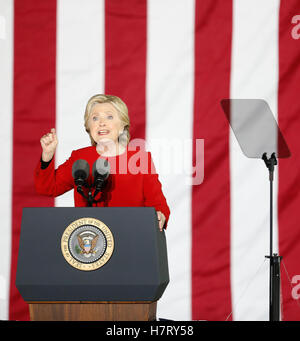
point(80, 172)
point(101, 170)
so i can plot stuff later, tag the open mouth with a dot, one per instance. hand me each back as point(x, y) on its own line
point(103, 132)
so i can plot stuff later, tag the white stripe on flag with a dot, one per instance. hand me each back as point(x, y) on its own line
point(254, 74)
point(6, 114)
point(169, 120)
point(80, 74)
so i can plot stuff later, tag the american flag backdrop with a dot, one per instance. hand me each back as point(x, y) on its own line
point(171, 61)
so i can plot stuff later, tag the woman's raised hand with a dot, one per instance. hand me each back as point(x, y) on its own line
point(49, 144)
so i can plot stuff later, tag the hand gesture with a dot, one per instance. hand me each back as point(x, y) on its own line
point(49, 144)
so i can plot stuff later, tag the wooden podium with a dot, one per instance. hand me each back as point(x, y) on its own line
point(92, 264)
point(92, 311)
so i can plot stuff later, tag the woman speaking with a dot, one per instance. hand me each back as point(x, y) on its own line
point(133, 180)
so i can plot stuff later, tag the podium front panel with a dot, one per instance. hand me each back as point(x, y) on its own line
point(137, 269)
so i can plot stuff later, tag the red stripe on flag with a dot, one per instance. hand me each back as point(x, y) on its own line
point(289, 174)
point(34, 115)
point(211, 295)
point(125, 57)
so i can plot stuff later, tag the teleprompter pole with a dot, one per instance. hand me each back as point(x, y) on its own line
point(274, 299)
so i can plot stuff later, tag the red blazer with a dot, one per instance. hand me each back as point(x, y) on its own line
point(127, 185)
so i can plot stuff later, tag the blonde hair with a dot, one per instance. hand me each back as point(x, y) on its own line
point(121, 108)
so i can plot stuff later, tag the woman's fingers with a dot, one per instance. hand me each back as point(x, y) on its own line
point(161, 220)
point(49, 138)
point(46, 139)
point(53, 132)
point(48, 143)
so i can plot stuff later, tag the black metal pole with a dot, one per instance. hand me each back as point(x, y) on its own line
point(271, 249)
point(271, 213)
point(275, 312)
point(274, 295)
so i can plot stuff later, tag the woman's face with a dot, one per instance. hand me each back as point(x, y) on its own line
point(104, 123)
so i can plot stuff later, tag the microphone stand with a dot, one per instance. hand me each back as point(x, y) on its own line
point(90, 197)
point(274, 299)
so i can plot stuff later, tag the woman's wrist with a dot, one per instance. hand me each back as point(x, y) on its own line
point(46, 157)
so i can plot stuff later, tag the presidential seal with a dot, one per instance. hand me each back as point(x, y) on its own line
point(87, 244)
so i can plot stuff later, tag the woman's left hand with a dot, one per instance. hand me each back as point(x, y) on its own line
point(161, 219)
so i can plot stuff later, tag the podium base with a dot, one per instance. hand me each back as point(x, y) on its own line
point(92, 311)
